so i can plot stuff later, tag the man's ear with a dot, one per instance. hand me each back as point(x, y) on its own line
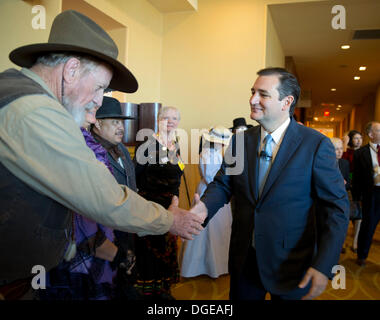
point(287, 102)
point(71, 70)
point(98, 124)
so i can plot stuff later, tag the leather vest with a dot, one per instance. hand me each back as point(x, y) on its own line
point(34, 229)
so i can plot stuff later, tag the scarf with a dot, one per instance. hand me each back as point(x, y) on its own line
point(111, 148)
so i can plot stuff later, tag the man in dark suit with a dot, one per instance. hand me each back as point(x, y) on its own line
point(366, 188)
point(109, 132)
point(291, 207)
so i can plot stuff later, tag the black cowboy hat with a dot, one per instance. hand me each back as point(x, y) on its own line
point(110, 108)
point(73, 32)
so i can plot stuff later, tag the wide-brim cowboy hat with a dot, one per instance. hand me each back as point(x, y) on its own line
point(73, 32)
point(218, 134)
point(110, 109)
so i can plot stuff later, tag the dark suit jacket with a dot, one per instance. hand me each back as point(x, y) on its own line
point(127, 175)
point(344, 167)
point(362, 177)
point(290, 235)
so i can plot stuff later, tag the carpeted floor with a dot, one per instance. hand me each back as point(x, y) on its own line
point(362, 283)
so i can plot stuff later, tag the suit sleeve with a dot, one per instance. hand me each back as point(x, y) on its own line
point(332, 208)
point(219, 191)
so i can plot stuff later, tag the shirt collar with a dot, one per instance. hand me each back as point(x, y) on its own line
point(373, 146)
point(278, 133)
point(32, 75)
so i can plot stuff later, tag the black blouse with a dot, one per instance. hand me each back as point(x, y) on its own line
point(158, 174)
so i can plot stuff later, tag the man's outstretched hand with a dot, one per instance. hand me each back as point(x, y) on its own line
point(198, 207)
point(185, 224)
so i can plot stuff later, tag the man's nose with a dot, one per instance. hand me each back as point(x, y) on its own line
point(254, 99)
point(120, 124)
point(98, 100)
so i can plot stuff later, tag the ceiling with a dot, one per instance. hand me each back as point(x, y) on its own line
point(306, 34)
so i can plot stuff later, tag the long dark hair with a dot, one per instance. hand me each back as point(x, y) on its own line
point(351, 135)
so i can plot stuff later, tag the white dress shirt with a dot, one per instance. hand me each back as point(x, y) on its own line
point(375, 164)
point(277, 135)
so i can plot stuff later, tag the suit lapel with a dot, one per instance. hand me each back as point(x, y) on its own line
point(288, 146)
point(252, 146)
point(367, 157)
point(115, 164)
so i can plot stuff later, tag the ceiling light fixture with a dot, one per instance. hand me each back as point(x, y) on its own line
point(333, 89)
point(356, 78)
point(363, 68)
point(345, 47)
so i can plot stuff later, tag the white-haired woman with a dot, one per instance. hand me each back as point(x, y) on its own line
point(159, 180)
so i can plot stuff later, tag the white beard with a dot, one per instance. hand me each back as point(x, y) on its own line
point(77, 111)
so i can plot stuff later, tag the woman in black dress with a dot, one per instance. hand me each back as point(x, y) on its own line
point(158, 177)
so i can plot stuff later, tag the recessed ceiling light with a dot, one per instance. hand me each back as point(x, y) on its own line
point(315, 118)
point(363, 68)
point(333, 89)
point(356, 78)
point(345, 47)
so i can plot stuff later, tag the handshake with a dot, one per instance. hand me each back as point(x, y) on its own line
point(188, 223)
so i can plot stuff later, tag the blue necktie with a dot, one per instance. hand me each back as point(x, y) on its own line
point(265, 162)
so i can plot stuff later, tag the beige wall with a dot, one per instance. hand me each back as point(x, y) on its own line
point(274, 53)
point(210, 58)
point(16, 26)
point(143, 44)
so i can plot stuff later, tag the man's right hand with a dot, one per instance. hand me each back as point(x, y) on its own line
point(185, 224)
point(198, 207)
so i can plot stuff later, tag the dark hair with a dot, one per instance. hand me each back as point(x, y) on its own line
point(288, 86)
point(351, 135)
